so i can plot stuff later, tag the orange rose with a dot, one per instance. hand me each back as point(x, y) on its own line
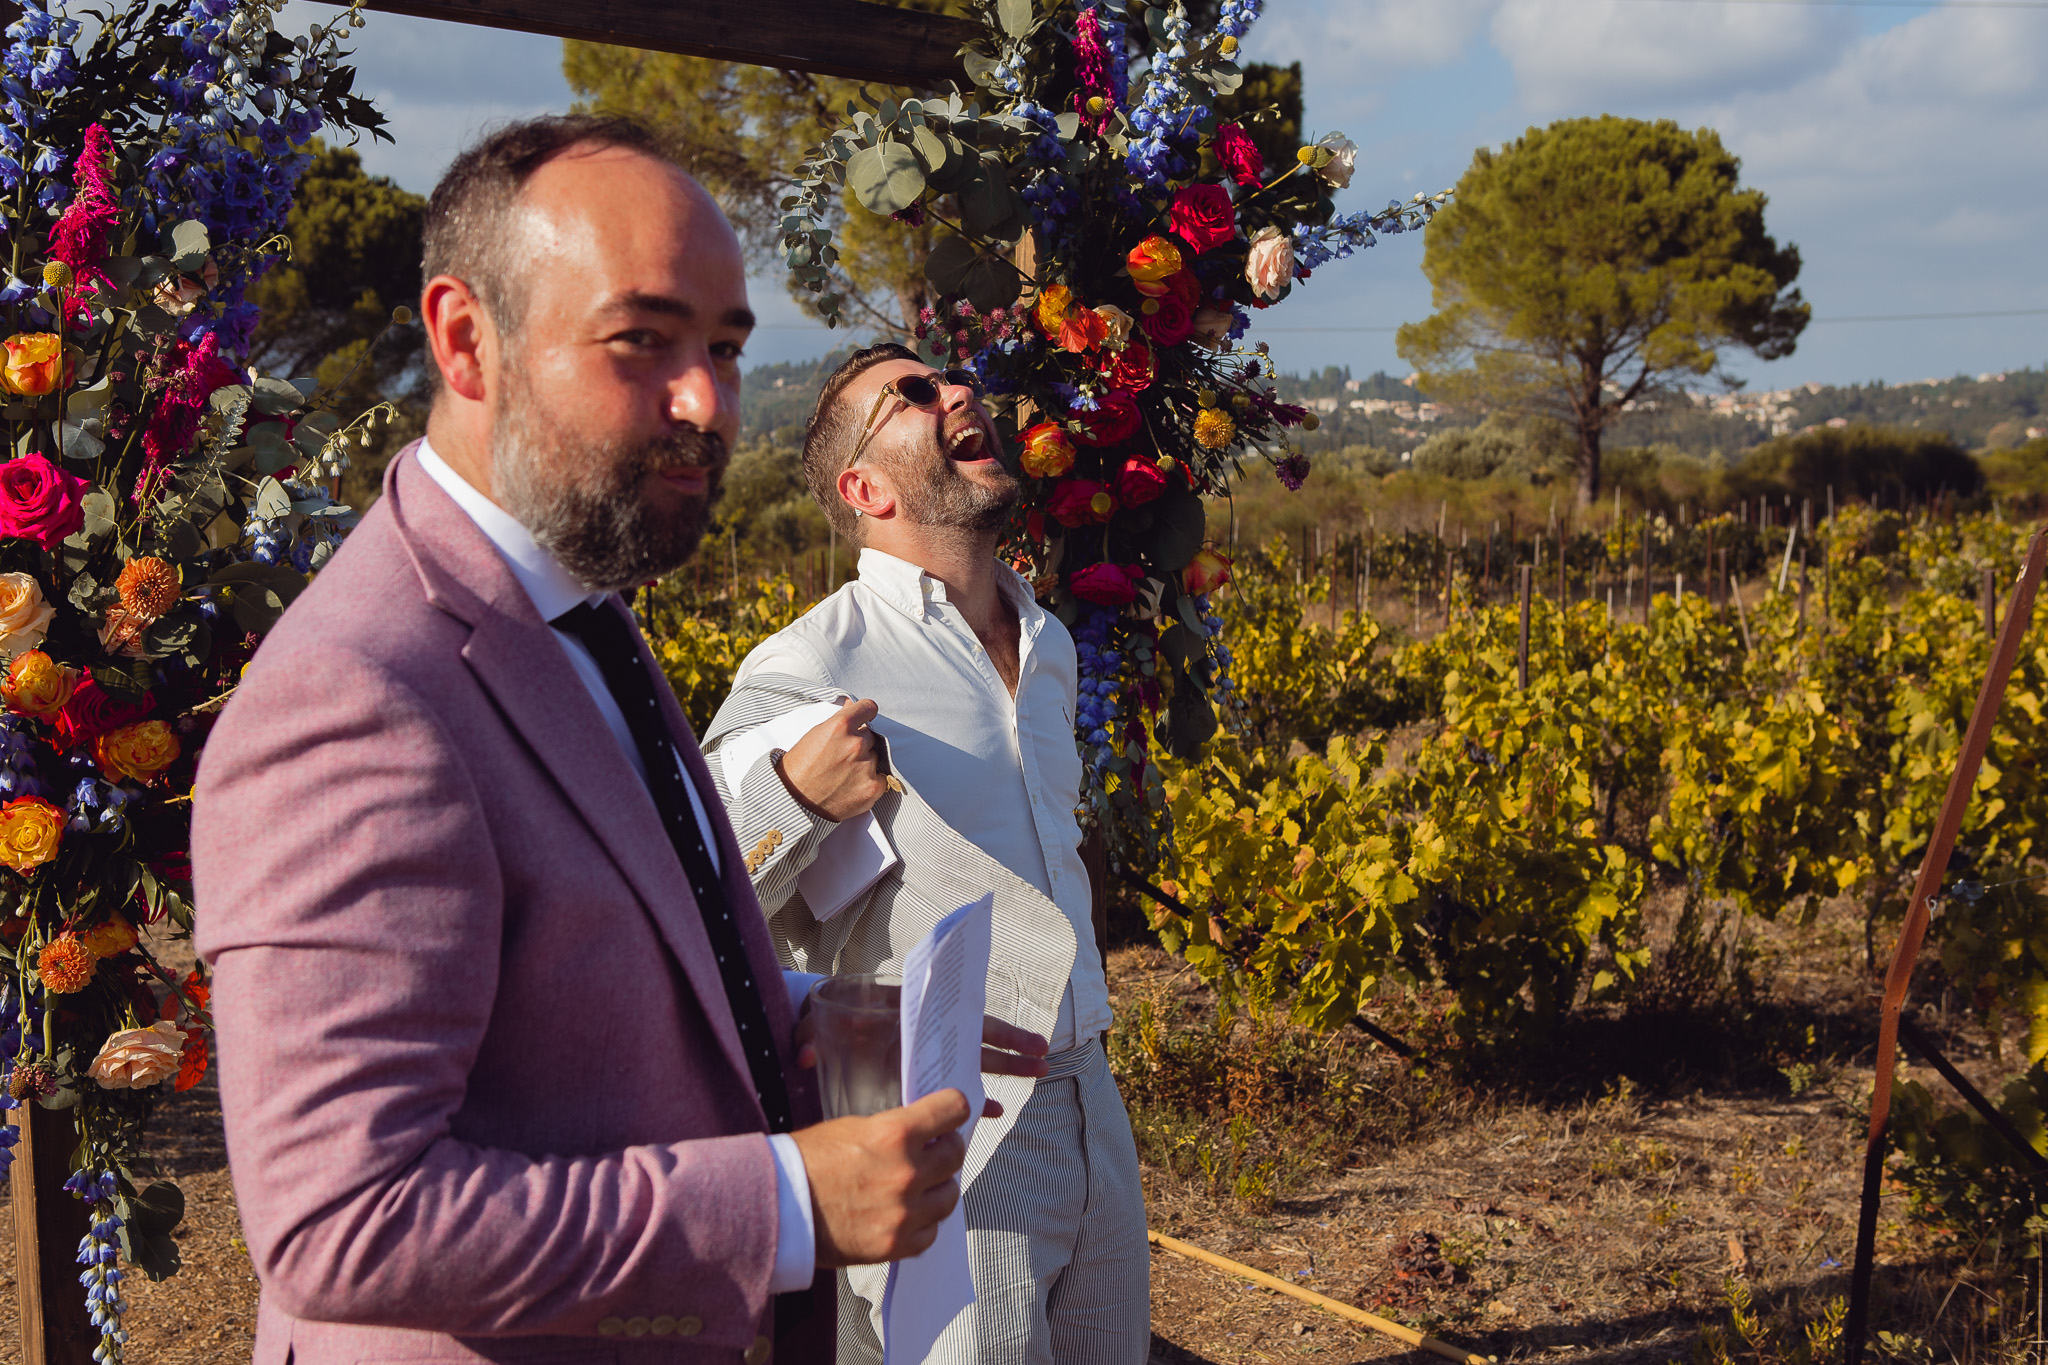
point(117, 935)
point(139, 751)
point(1205, 573)
point(37, 685)
point(30, 830)
point(1047, 451)
point(1150, 262)
point(36, 363)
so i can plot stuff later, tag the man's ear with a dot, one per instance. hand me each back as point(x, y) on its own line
point(460, 333)
point(867, 492)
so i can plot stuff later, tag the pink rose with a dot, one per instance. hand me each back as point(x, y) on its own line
point(39, 501)
point(1139, 481)
point(1170, 322)
point(1115, 418)
point(1204, 217)
point(1270, 267)
point(1107, 585)
point(1242, 155)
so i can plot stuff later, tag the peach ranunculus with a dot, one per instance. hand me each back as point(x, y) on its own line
point(139, 751)
point(1119, 324)
point(1151, 262)
point(137, 1058)
point(30, 830)
point(24, 615)
point(1206, 572)
point(1270, 267)
point(37, 685)
point(1047, 451)
point(1211, 326)
point(35, 364)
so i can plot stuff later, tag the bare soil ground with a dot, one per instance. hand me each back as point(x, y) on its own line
point(1560, 1212)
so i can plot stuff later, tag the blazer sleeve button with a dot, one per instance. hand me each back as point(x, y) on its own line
point(688, 1326)
point(663, 1326)
point(758, 1353)
point(637, 1327)
point(611, 1327)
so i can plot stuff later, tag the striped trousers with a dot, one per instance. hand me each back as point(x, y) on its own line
point(1055, 1235)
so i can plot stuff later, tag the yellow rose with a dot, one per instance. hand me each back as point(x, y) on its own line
point(37, 685)
point(139, 751)
point(24, 615)
point(117, 935)
point(1054, 301)
point(137, 1058)
point(1150, 262)
point(35, 364)
point(30, 830)
point(1047, 451)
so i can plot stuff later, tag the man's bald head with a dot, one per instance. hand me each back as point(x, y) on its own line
point(472, 228)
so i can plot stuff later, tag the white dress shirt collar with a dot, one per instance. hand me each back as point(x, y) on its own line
point(553, 588)
point(911, 590)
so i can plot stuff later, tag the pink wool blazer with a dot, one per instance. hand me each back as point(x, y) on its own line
point(485, 1100)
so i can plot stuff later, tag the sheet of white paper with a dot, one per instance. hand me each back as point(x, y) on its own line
point(851, 858)
point(945, 984)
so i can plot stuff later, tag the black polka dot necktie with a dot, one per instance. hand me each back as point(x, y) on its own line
point(608, 636)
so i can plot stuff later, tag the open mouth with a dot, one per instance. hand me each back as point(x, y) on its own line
point(967, 442)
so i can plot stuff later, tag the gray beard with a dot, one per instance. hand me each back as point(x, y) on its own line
point(935, 493)
point(585, 501)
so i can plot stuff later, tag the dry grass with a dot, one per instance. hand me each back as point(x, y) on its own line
point(1574, 1213)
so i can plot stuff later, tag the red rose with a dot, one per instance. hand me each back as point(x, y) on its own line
point(1107, 585)
point(1115, 418)
point(1184, 286)
point(1204, 217)
point(39, 501)
point(1131, 369)
point(1078, 502)
point(93, 711)
point(1171, 322)
point(1139, 481)
point(1242, 155)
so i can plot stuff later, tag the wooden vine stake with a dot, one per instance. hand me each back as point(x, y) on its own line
point(48, 1225)
point(1899, 976)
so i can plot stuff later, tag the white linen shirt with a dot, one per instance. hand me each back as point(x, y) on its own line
point(553, 591)
point(1003, 772)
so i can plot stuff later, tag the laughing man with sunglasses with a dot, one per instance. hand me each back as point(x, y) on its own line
point(953, 730)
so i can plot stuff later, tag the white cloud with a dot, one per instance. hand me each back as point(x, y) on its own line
point(1583, 55)
point(1350, 49)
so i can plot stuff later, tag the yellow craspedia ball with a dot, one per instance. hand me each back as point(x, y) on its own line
point(1228, 47)
point(401, 315)
point(57, 275)
point(1306, 156)
point(1310, 422)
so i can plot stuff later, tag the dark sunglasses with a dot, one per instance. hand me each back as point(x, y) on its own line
point(919, 391)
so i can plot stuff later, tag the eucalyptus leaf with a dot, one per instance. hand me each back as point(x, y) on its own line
point(931, 150)
point(261, 592)
point(272, 502)
point(271, 450)
point(1178, 527)
point(885, 178)
point(947, 266)
point(80, 440)
point(122, 270)
point(183, 634)
point(991, 282)
point(1015, 16)
point(222, 532)
point(1222, 77)
point(100, 512)
point(274, 397)
point(81, 403)
point(1069, 124)
point(1190, 719)
point(187, 245)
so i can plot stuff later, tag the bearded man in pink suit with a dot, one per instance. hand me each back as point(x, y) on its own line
point(508, 1068)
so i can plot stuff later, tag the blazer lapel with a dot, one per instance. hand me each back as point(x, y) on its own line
point(520, 662)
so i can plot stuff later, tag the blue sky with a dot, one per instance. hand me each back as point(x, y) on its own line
point(1904, 148)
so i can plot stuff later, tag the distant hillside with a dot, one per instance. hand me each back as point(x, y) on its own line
point(1996, 411)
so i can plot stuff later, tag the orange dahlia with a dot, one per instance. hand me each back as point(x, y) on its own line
point(148, 586)
point(65, 965)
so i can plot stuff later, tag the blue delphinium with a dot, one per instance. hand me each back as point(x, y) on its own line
point(1316, 244)
point(1099, 682)
point(99, 1251)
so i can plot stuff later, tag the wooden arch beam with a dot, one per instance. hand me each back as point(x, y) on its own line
point(850, 38)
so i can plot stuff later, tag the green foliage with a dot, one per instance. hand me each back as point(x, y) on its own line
point(1961, 1174)
point(1757, 1336)
point(1858, 462)
point(702, 642)
point(1596, 262)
